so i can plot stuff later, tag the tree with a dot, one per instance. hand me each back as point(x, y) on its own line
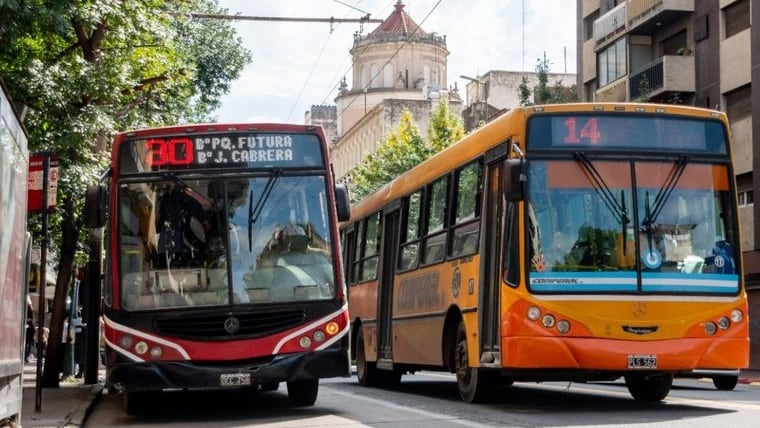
point(543, 93)
point(86, 69)
point(404, 148)
point(444, 128)
point(400, 150)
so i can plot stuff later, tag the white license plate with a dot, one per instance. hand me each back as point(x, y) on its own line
point(235, 379)
point(645, 362)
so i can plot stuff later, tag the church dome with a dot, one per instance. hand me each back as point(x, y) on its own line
point(399, 26)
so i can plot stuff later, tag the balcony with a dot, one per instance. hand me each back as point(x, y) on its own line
point(614, 92)
point(668, 74)
point(610, 24)
point(648, 16)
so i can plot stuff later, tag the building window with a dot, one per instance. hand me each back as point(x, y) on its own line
point(612, 63)
point(745, 198)
point(588, 25)
point(739, 103)
point(674, 45)
point(736, 17)
point(388, 76)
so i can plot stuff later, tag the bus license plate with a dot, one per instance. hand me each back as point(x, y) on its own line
point(642, 361)
point(235, 379)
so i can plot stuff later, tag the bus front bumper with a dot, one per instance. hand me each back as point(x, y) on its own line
point(187, 375)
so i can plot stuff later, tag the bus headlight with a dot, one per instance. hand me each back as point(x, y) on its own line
point(533, 313)
point(304, 342)
point(126, 341)
point(141, 347)
point(548, 321)
point(332, 328)
point(156, 352)
point(319, 336)
point(736, 316)
point(710, 328)
point(724, 323)
point(563, 326)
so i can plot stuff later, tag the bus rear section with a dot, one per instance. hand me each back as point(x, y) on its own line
point(223, 272)
point(606, 247)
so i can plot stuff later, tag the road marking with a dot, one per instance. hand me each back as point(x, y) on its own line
point(428, 416)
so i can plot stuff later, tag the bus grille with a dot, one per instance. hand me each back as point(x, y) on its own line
point(218, 326)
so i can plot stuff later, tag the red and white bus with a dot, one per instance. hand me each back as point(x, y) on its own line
point(222, 261)
point(14, 169)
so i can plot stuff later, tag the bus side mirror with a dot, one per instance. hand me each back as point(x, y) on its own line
point(95, 205)
point(514, 179)
point(342, 203)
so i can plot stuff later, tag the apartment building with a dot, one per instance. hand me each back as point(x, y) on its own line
point(702, 53)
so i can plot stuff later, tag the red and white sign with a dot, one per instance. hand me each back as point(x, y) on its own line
point(36, 182)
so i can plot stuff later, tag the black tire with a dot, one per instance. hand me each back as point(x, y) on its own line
point(303, 392)
point(725, 383)
point(138, 403)
point(366, 371)
point(649, 388)
point(473, 384)
point(390, 378)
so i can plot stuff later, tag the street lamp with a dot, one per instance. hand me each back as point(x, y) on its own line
point(485, 94)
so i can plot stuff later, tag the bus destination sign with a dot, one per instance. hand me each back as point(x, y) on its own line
point(229, 150)
point(617, 131)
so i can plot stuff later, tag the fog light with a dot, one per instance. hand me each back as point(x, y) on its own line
point(724, 323)
point(305, 342)
point(563, 326)
point(736, 316)
point(141, 347)
point(126, 341)
point(319, 336)
point(533, 313)
point(156, 352)
point(332, 328)
point(710, 328)
point(548, 321)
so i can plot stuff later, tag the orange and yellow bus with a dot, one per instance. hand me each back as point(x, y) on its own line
point(573, 242)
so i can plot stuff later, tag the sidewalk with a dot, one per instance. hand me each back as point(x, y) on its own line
point(66, 406)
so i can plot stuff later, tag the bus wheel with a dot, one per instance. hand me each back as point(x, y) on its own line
point(303, 392)
point(137, 403)
point(725, 383)
point(649, 387)
point(366, 371)
point(472, 383)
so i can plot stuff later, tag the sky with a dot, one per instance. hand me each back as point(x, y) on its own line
point(296, 65)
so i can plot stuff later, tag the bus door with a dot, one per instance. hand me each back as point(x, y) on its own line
point(492, 226)
point(390, 233)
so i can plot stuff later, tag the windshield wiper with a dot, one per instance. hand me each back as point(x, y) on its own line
point(617, 208)
point(188, 190)
point(255, 211)
point(664, 193)
point(652, 212)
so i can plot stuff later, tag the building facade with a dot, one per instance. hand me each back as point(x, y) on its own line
point(702, 53)
point(396, 66)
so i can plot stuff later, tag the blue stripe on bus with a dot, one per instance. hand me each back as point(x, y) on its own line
point(690, 283)
point(626, 282)
point(583, 281)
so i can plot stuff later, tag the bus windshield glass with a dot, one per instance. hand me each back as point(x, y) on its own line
point(196, 241)
point(594, 225)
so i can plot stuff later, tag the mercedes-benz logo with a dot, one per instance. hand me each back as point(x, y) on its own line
point(231, 325)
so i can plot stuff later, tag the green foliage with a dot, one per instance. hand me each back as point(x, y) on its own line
point(86, 69)
point(404, 148)
point(523, 92)
point(444, 128)
point(400, 150)
point(545, 94)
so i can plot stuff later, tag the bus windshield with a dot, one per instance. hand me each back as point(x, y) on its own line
point(192, 241)
point(594, 224)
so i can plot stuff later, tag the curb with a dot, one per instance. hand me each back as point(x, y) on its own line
point(77, 418)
